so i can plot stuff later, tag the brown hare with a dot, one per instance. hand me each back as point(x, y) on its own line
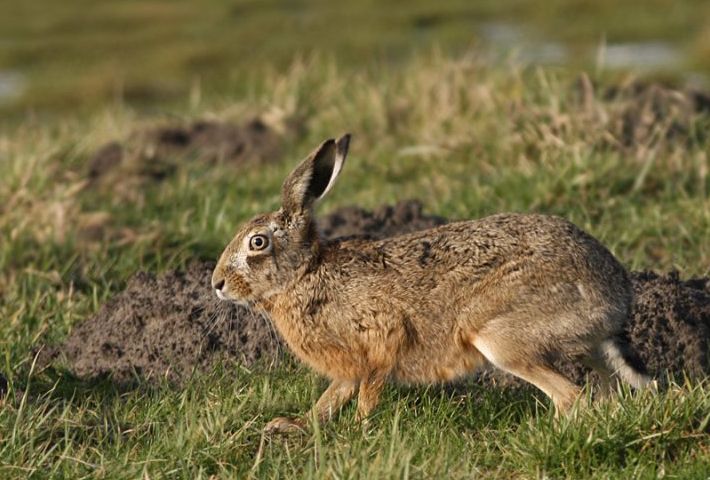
point(518, 291)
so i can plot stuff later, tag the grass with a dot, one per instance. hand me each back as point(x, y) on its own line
point(78, 55)
point(469, 138)
point(212, 427)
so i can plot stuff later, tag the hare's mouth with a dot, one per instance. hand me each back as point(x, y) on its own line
point(241, 303)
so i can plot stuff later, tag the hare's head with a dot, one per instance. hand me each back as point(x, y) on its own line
point(270, 250)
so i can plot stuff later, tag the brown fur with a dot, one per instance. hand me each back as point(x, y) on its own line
point(520, 291)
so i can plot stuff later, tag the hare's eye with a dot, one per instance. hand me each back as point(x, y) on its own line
point(258, 242)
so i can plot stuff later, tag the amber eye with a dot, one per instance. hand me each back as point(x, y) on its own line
point(258, 242)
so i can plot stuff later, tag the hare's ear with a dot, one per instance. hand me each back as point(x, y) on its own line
point(315, 175)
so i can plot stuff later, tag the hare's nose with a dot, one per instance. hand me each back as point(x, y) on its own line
point(218, 285)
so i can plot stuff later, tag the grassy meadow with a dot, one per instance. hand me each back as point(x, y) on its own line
point(467, 134)
point(79, 55)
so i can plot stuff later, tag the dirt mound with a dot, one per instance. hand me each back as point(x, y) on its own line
point(669, 327)
point(382, 222)
point(650, 110)
point(670, 323)
point(638, 115)
point(166, 326)
point(154, 154)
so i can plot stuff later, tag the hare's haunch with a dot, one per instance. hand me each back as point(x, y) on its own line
point(519, 291)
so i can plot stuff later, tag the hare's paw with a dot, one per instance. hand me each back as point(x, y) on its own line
point(285, 425)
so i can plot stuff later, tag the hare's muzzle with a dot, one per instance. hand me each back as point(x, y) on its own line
point(218, 285)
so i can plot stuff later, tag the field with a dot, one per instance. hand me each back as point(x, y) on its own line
point(78, 56)
point(621, 156)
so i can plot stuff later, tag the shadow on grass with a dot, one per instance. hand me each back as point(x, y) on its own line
point(469, 405)
point(53, 384)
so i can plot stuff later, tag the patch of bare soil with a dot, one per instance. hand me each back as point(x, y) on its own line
point(124, 170)
point(166, 326)
point(154, 154)
point(382, 222)
point(637, 116)
point(653, 110)
point(670, 323)
point(170, 325)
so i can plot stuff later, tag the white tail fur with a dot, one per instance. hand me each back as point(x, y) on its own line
point(614, 354)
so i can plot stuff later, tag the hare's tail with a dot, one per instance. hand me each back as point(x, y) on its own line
point(624, 362)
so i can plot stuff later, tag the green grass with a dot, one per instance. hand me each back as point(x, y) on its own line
point(81, 54)
point(212, 427)
point(468, 138)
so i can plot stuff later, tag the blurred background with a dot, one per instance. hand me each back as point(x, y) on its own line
point(80, 54)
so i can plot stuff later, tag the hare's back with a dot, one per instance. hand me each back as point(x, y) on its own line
point(520, 244)
point(511, 254)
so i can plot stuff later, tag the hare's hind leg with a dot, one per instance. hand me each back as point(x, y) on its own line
point(370, 390)
point(513, 357)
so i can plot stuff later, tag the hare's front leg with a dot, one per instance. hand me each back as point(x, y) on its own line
point(335, 396)
point(338, 393)
point(369, 396)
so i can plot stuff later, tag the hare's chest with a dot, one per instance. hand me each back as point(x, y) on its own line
point(322, 349)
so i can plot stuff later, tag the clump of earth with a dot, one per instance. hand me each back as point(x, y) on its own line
point(669, 327)
point(636, 115)
point(125, 170)
point(154, 154)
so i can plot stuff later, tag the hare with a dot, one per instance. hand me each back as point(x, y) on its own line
point(518, 291)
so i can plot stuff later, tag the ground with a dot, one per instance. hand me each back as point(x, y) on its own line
point(89, 201)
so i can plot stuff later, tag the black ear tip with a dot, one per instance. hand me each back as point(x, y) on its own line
point(343, 143)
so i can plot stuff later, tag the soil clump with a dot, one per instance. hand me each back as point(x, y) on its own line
point(154, 154)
